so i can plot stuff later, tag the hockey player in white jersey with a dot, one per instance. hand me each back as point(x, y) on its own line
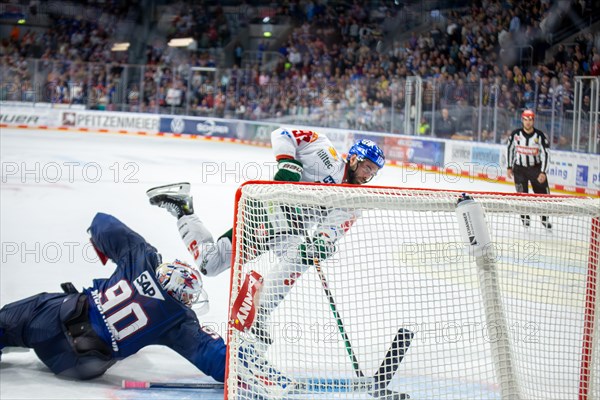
point(302, 155)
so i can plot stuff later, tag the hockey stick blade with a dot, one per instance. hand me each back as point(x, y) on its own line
point(330, 385)
point(170, 385)
point(386, 394)
point(355, 385)
point(344, 385)
point(390, 364)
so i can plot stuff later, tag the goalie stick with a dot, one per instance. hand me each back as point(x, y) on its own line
point(391, 361)
point(125, 384)
point(301, 385)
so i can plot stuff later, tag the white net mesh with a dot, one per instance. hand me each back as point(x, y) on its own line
point(391, 259)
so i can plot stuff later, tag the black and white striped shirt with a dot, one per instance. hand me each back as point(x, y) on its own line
point(528, 149)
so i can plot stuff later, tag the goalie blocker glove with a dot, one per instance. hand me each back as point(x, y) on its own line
point(288, 170)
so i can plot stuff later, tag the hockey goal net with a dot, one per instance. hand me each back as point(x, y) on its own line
point(363, 292)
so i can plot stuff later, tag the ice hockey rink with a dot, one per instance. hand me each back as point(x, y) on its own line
point(53, 183)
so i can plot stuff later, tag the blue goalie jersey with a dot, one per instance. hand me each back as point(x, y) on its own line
point(131, 310)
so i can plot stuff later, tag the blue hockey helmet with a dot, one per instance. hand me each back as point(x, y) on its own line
point(367, 149)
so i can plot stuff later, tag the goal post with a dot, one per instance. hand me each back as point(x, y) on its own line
point(590, 369)
point(358, 292)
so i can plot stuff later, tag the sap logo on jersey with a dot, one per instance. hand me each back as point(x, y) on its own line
point(146, 286)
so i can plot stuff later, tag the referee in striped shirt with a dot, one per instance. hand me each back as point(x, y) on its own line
point(528, 161)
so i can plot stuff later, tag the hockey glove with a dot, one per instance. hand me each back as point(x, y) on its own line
point(103, 257)
point(317, 249)
point(288, 170)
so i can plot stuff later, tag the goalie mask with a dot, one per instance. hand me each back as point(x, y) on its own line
point(182, 282)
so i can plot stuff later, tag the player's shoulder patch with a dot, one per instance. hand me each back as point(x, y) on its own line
point(146, 286)
point(285, 132)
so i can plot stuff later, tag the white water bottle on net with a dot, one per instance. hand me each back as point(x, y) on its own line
point(354, 292)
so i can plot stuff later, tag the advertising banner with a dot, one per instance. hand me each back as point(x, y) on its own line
point(197, 126)
point(458, 152)
point(488, 160)
point(28, 116)
point(418, 151)
point(485, 156)
point(574, 169)
point(561, 172)
point(380, 140)
point(110, 120)
point(256, 133)
point(340, 138)
point(569, 171)
point(476, 159)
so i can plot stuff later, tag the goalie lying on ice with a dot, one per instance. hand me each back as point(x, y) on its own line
point(144, 302)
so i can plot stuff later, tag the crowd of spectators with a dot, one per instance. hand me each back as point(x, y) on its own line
point(207, 25)
point(70, 56)
point(332, 68)
point(338, 67)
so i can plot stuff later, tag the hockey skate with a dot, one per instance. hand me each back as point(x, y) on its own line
point(257, 376)
point(175, 198)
